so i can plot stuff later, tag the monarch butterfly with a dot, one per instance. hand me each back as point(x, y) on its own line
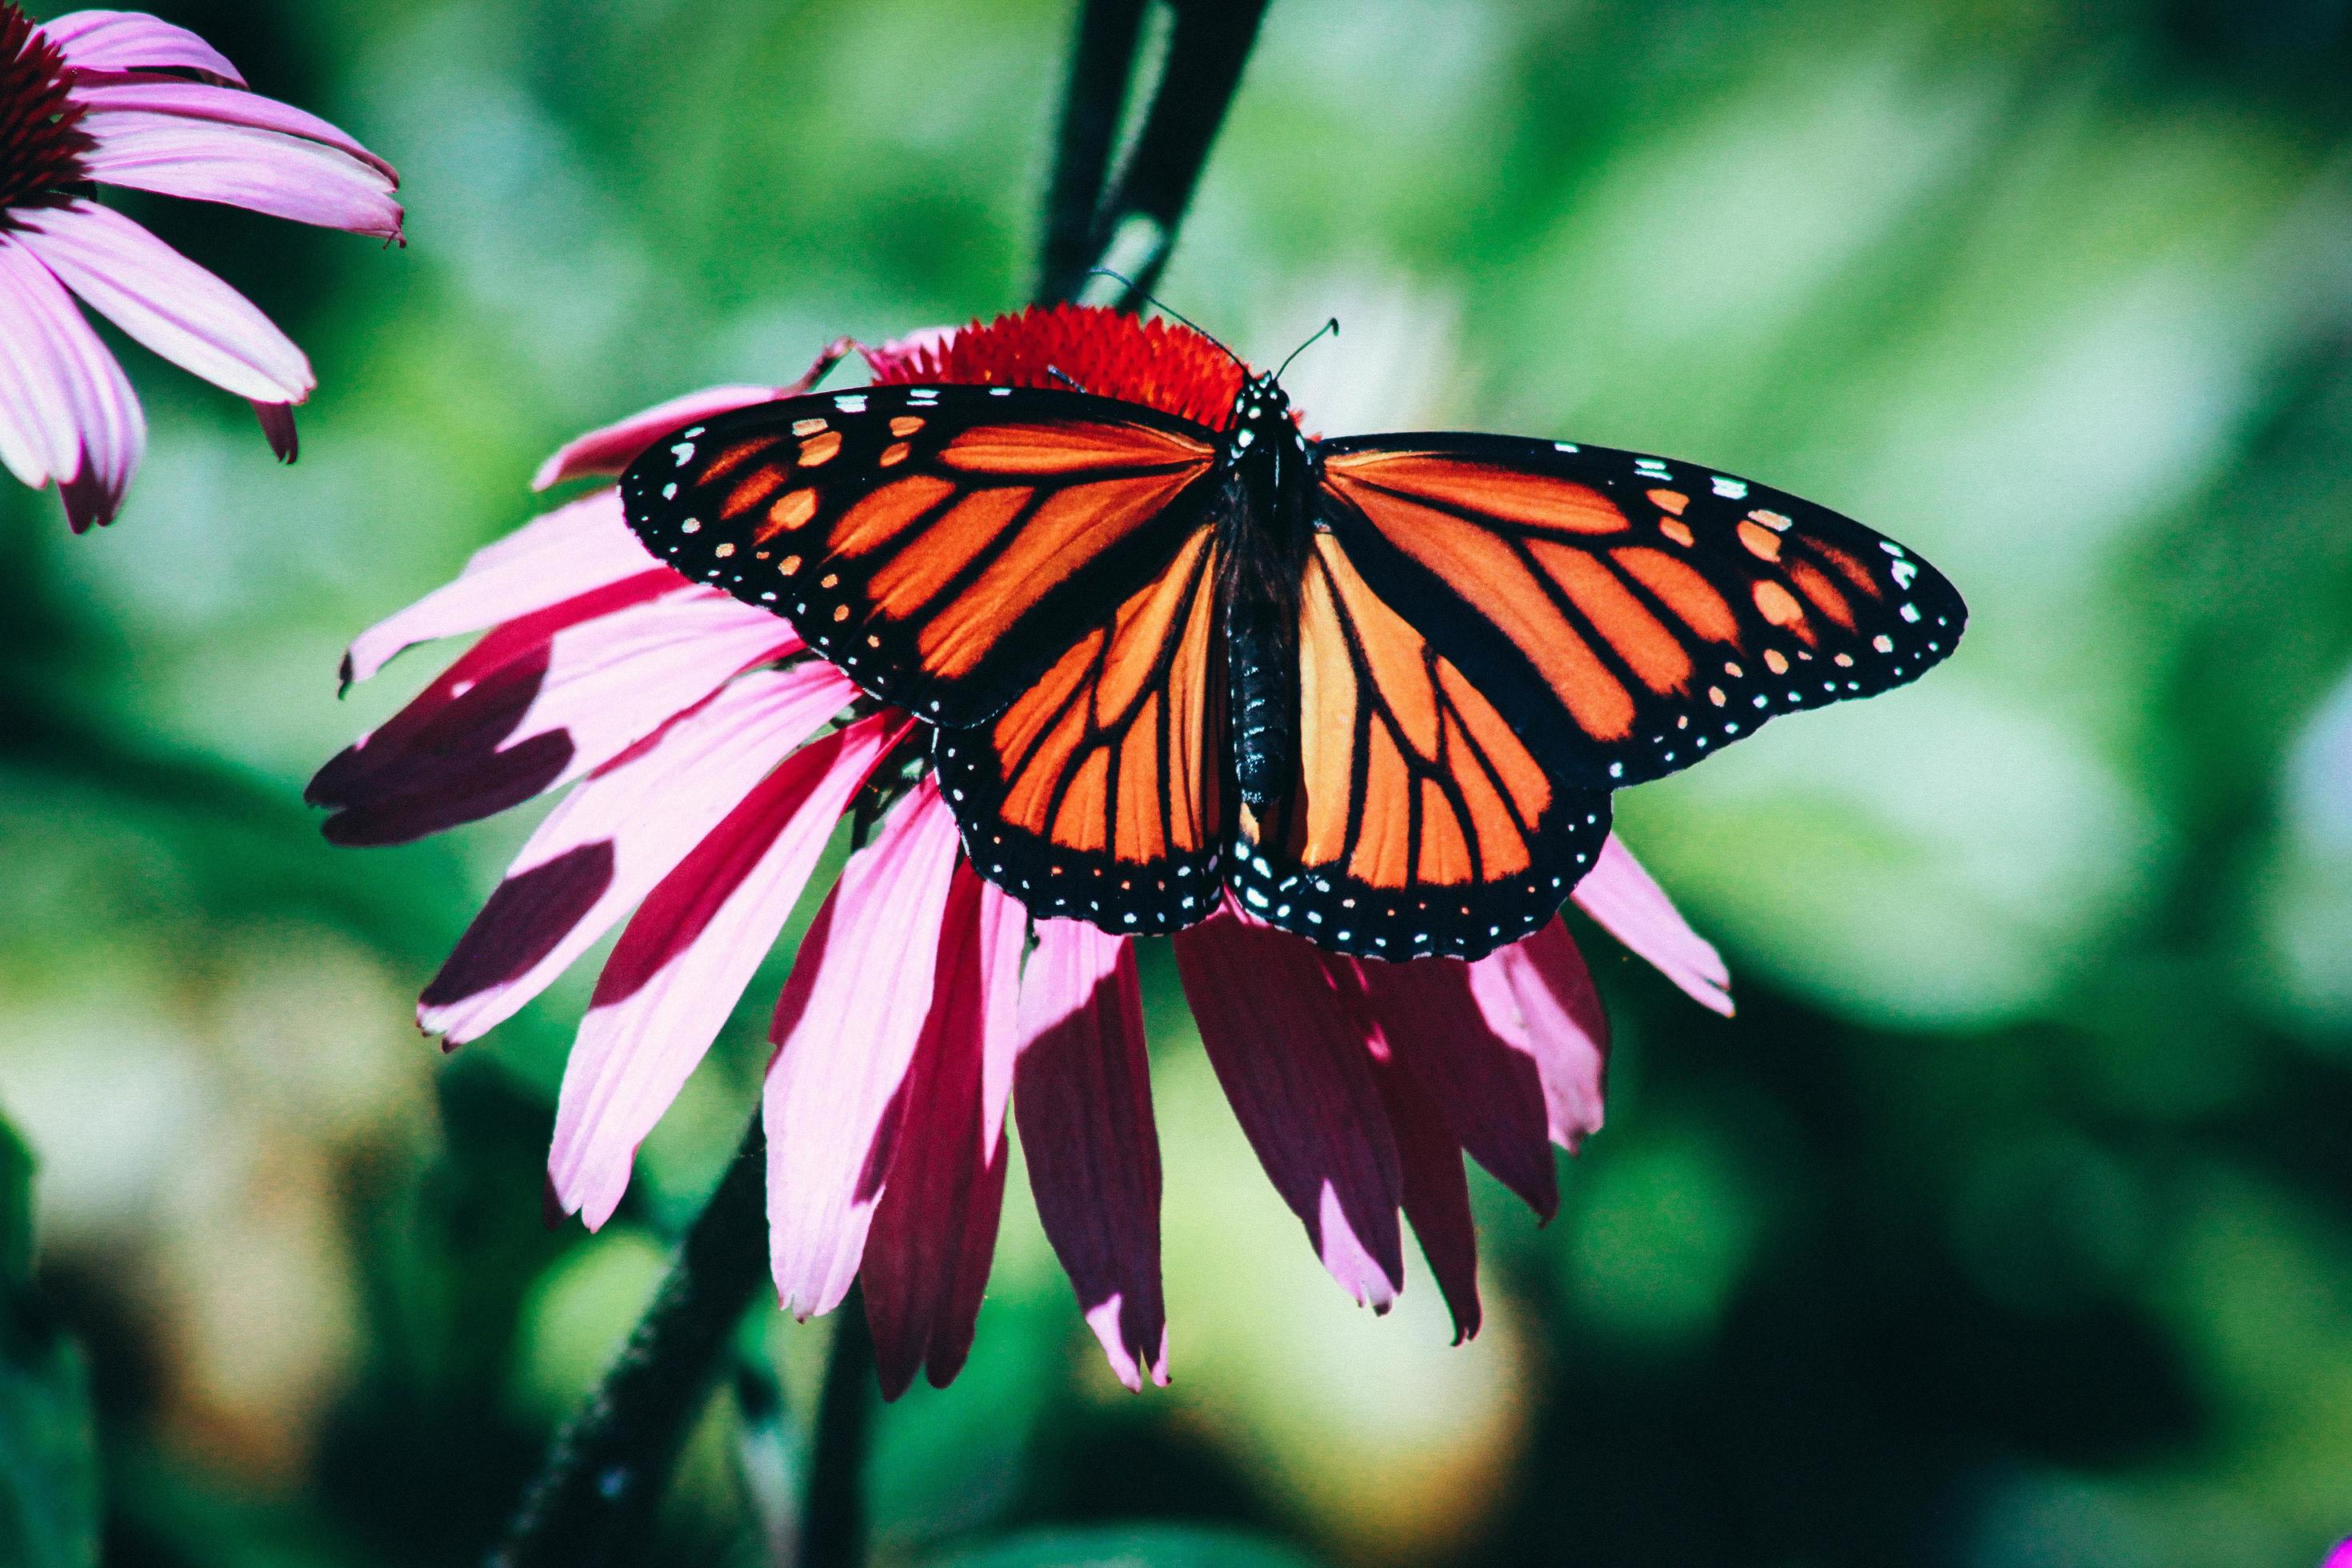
point(1382, 687)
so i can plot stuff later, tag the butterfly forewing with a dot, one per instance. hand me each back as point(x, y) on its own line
point(1628, 614)
point(943, 544)
point(1419, 822)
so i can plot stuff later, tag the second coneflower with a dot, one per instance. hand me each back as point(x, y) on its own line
point(709, 757)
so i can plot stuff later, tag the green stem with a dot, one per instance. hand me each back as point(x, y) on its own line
point(845, 1431)
point(593, 1501)
point(1102, 68)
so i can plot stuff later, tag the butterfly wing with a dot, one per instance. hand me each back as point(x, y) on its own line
point(1420, 821)
point(1101, 793)
point(944, 545)
point(1627, 613)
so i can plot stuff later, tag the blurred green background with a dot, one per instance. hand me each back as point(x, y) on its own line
point(2009, 1226)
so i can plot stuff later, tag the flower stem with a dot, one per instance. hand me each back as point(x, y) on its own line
point(1102, 68)
point(593, 1501)
point(1136, 225)
point(845, 1430)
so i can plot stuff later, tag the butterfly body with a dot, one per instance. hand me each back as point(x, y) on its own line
point(1381, 687)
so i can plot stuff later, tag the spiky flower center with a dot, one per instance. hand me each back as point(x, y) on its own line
point(1157, 363)
point(41, 142)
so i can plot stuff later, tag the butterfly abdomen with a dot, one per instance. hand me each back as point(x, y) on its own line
point(1262, 528)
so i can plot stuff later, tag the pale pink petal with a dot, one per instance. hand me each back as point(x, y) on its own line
point(902, 358)
point(134, 41)
point(1635, 911)
point(166, 302)
point(565, 554)
point(199, 101)
point(552, 714)
point(277, 429)
point(1433, 1186)
point(1293, 1056)
point(1536, 996)
point(2341, 1557)
point(1082, 1094)
point(846, 1031)
point(934, 1232)
point(266, 171)
point(615, 837)
point(1486, 1086)
point(70, 415)
point(613, 448)
point(686, 955)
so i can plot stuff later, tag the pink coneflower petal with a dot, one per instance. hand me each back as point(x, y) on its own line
point(1433, 1188)
point(265, 171)
point(934, 1232)
point(615, 837)
point(846, 1031)
point(567, 553)
point(70, 413)
point(608, 450)
point(134, 42)
point(1292, 1056)
point(1486, 1086)
point(686, 955)
point(227, 106)
point(1537, 996)
point(1634, 910)
point(1082, 1094)
point(544, 717)
point(166, 302)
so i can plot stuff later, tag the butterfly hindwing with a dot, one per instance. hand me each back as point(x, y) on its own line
point(1419, 822)
point(942, 544)
point(1101, 793)
point(1629, 614)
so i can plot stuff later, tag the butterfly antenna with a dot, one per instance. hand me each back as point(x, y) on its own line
point(1329, 329)
point(1167, 310)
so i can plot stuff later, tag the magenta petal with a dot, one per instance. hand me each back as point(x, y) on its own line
point(565, 554)
point(1485, 1084)
point(1634, 910)
point(552, 714)
point(267, 171)
point(1538, 995)
point(846, 1031)
point(615, 837)
point(934, 1232)
point(1082, 1092)
point(199, 101)
point(66, 412)
point(1433, 1188)
point(614, 446)
point(277, 429)
point(167, 302)
point(901, 358)
point(134, 42)
point(1292, 1054)
point(687, 954)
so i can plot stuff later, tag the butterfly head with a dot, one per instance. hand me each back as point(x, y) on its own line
point(1261, 413)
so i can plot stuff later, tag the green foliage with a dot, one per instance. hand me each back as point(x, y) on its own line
point(48, 1452)
point(1148, 1546)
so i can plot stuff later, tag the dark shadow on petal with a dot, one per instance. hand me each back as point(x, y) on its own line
point(522, 922)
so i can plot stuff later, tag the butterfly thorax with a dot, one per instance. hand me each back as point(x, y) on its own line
point(1262, 538)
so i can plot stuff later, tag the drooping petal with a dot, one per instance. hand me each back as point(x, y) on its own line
point(1433, 1186)
point(614, 446)
point(1632, 908)
point(226, 106)
point(1082, 1094)
point(548, 714)
point(277, 429)
point(1536, 996)
point(1487, 1085)
point(134, 42)
point(1292, 1058)
point(934, 1232)
point(846, 1031)
point(615, 837)
point(269, 171)
point(553, 558)
point(70, 415)
point(685, 957)
point(167, 302)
